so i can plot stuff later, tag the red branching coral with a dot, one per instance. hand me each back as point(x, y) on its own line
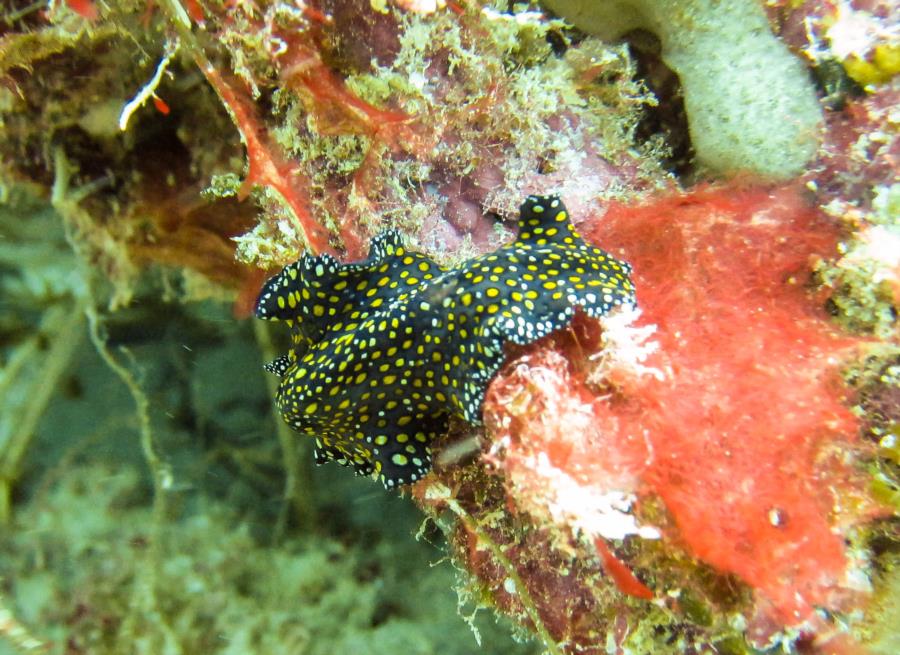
point(337, 111)
point(296, 45)
point(267, 166)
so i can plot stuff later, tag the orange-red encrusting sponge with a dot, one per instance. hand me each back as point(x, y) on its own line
point(743, 424)
point(733, 412)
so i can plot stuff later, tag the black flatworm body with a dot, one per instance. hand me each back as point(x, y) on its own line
point(386, 350)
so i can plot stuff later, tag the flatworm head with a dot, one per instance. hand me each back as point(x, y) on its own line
point(386, 350)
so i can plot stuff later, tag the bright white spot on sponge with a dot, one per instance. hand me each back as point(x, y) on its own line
point(589, 508)
point(626, 347)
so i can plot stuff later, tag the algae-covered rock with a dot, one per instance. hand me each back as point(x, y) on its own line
point(750, 104)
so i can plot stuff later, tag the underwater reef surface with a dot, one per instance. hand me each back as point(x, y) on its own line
point(715, 470)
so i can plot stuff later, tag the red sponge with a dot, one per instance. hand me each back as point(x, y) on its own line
point(736, 420)
point(743, 422)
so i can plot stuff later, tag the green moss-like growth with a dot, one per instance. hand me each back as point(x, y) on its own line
point(487, 101)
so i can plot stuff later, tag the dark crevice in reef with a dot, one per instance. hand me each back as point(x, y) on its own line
point(668, 118)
